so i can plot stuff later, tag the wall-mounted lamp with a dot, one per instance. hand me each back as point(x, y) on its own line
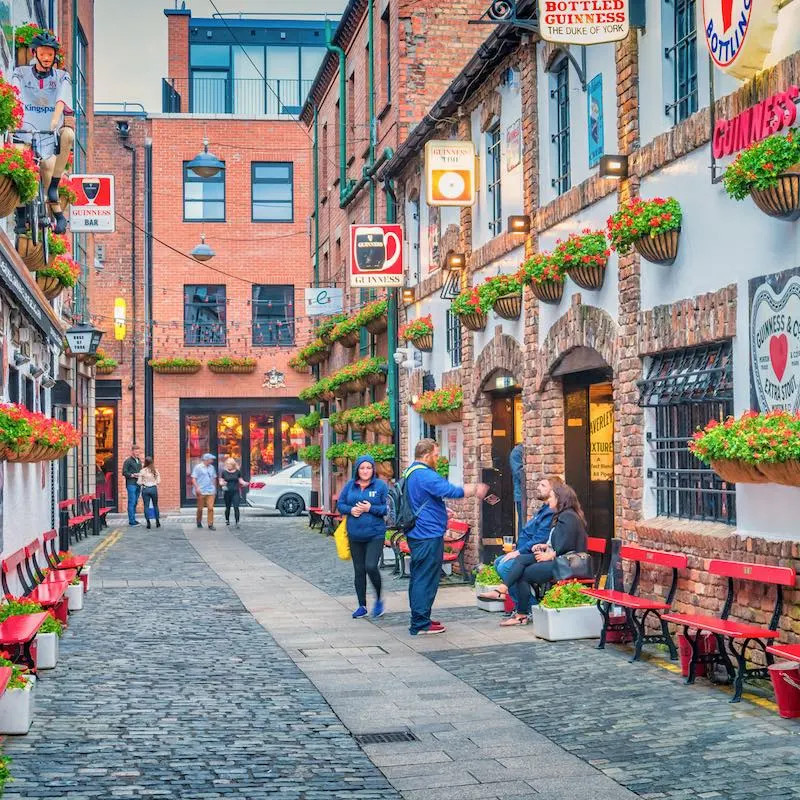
point(202, 251)
point(36, 371)
point(456, 261)
point(519, 224)
point(408, 295)
point(20, 359)
point(614, 166)
point(48, 382)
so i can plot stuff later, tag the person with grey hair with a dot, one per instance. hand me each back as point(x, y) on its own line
point(204, 481)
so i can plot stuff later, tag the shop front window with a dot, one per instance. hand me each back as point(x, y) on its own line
point(293, 437)
point(262, 444)
point(229, 438)
point(105, 449)
point(198, 442)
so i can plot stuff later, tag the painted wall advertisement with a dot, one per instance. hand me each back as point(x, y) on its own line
point(376, 255)
point(450, 173)
point(775, 341)
point(594, 99)
point(601, 441)
point(582, 22)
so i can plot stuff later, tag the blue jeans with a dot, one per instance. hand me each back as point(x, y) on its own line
point(133, 490)
point(426, 568)
point(520, 518)
point(503, 570)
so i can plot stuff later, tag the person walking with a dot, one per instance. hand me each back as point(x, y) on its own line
point(231, 480)
point(427, 491)
point(363, 502)
point(516, 461)
point(204, 481)
point(149, 478)
point(130, 471)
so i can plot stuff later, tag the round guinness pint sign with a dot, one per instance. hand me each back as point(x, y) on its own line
point(739, 34)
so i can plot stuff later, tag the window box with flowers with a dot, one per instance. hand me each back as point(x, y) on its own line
point(544, 276)
point(471, 309)
point(310, 455)
point(175, 366)
point(358, 376)
point(768, 171)
point(322, 330)
point(47, 641)
point(105, 364)
point(503, 294)
point(28, 436)
point(441, 406)
point(314, 353)
point(310, 422)
point(66, 196)
point(583, 256)
point(11, 111)
point(755, 448)
point(299, 364)
point(374, 418)
point(61, 273)
point(374, 317)
point(419, 332)
point(226, 365)
point(321, 390)
point(19, 178)
point(566, 613)
point(17, 702)
point(384, 455)
point(33, 254)
point(347, 332)
point(653, 227)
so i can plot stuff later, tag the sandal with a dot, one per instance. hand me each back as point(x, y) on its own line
point(493, 595)
point(517, 619)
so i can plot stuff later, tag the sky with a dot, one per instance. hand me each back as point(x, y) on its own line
point(131, 42)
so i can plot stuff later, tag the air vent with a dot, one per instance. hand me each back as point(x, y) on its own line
point(385, 737)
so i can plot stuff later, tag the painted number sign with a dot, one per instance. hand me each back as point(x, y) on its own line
point(376, 255)
point(93, 209)
point(583, 21)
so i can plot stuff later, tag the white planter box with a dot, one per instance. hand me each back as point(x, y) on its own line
point(492, 606)
point(557, 624)
point(86, 577)
point(46, 650)
point(75, 597)
point(16, 709)
point(388, 555)
point(447, 568)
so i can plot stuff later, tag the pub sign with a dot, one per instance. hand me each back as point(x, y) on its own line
point(376, 255)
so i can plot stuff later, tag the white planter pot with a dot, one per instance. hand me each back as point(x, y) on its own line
point(75, 597)
point(85, 577)
point(447, 568)
point(46, 650)
point(557, 624)
point(388, 555)
point(493, 606)
point(16, 709)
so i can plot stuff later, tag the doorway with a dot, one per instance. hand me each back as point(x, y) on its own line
point(106, 452)
point(589, 446)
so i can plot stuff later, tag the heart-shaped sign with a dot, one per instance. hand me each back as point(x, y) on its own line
point(775, 346)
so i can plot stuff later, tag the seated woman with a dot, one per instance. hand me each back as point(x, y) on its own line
point(568, 534)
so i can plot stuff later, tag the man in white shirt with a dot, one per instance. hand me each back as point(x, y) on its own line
point(46, 95)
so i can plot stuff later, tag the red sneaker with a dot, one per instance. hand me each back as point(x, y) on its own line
point(434, 627)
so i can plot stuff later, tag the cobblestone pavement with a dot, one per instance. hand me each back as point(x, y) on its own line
point(168, 688)
point(637, 723)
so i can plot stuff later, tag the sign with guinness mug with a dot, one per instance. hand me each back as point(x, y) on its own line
point(93, 209)
point(376, 255)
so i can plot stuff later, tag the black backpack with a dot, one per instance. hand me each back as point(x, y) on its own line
point(400, 514)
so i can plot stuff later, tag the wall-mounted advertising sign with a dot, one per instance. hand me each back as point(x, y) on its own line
point(450, 173)
point(376, 255)
point(583, 21)
point(739, 34)
point(323, 300)
point(93, 209)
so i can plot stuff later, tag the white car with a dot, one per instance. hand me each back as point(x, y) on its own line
point(288, 491)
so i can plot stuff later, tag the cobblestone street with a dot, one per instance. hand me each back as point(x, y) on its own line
point(226, 665)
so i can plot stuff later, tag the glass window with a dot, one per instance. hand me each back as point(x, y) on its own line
point(310, 61)
point(283, 80)
point(81, 102)
point(13, 385)
point(210, 92)
point(198, 441)
point(493, 173)
point(229, 438)
point(386, 55)
point(303, 472)
point(453, 339)
point(210, 55)
point(561, 137)
point(204, 315)
point(273, 315)
point(273, 191)
point(250, 95)
point(262, 444)
point(293, 437)
point(203, 198)
point(683, 58)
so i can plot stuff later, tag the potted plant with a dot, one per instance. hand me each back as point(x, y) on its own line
point(768, 171)
point(503, 294)
point(419, 332)
point(47, 643)
point(338, 422)
point(315, 352)
point(384, 455)
point(566, 613)
point(324, 328)
point(105, 364)
point(231, 365)
point(487, 579)
point(299, 364)
point(33, 254)
point(339, 454)
point(544, 276)
point(5, 773)
point(19, 178)
point(653, 227)
point(311, 454)
point(11, 111)
point(66, 196)
point(310, 422)
point(440, 406)
point(16, 703)
point(346, 332)
point(443, 466)
point(29, 436)
point(375, 317)
point(75, 595)
point(175, 366)
point(583, 256)
point(374, 417)
point(321, 390)
point(61, 273)
point(470, 308)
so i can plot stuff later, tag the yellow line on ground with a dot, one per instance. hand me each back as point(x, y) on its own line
point(97, 555)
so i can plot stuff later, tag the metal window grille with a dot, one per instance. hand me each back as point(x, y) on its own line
point(493, 186)
point(203, 198)
point(561, 136)
point(204, 315)
point(273, 316)
point(454, 339)
point(683, 55)
point(273, 192)
point(686, 389)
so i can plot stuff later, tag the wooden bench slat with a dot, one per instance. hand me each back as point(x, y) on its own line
point(791, 652)
point(21, 629)
point(625, 600)
point(743, 571)
point(5, 677)
point(725, 627)
point(660, 557)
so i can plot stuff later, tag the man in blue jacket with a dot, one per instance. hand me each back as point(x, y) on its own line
point(427, 491)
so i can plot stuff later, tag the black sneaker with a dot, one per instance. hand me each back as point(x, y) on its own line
point(52, 191)
point(199, 524)
point(210, 527)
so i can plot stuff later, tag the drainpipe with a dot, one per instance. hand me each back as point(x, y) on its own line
point(148, 297)
point(372, 126)
point(392, 387)
point(368, 175)
point(333, 48)
point(316, 197)
point(132, 150)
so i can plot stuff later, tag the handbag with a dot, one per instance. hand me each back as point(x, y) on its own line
point(572, 565)
point(342, 540)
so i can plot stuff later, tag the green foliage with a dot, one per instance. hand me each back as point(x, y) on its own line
point(344, 328)
point(759, 165)
point(443, 466)
point(5, 773)
point(311, 454)
point(170, 363)
point(448, 399)
point(312, 394)
point(638, 218)
point(588, 248)
point(417, 328)
point(497, 286)
point(487, 575)
point(310, 422)
point(539, 268)
point(230, 361)
point(360, 416)
point(566, 595)
point(360, 369)
point(324, 328)
point(469, 301)
point(52, 625)
point(312, 349)
point(372, 311)
point(382, 452)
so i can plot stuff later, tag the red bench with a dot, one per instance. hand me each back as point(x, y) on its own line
point(637, 608)
point(51, 559)
point(47, 592)
point(18, 634)
point(103, 507)
point(730, 631)
point(455, 540)
point(791, 652)
point(5, 677)
point(77, 519)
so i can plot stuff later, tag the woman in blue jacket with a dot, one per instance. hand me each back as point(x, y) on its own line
point(363, 502)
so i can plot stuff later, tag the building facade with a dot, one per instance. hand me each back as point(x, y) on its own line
point(236, 84)
point(607, 385)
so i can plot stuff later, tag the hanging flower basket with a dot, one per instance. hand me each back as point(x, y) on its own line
point(175, 366)
point(105, 365)
point(509, 306)
point(359, 429)
point(105, 369)
point(375, 378)
point(588, 276)
point(583, 256)
point(24, 55)
point(787, 473)
point(378, 326)
point(232, 366)
point(440, 406)
point(474, 322)
point(316, 358)
point(32, 254)
point(9, 197)
point(381, 427)
point(50, 285)
point(342, 462)
point(782, 200)
point(423, 343)
point(350, 340)
point(736, 471)
point(659, 249)
point(385, 470)
point(548, 291)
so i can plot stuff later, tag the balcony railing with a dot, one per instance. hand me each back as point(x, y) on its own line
point(252, 97)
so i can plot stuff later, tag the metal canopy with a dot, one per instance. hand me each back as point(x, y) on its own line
point(695, 375)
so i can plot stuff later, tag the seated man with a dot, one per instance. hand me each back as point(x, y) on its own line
point(46, 94)
point(535, 532)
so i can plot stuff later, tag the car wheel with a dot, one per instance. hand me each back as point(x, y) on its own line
point(290, 505)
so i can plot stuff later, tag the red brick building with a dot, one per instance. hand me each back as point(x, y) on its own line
point(247, 301)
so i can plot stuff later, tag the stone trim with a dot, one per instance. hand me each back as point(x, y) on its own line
point(495, 248)
point(427, 286)
point(705, 318)
point(503, 352)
